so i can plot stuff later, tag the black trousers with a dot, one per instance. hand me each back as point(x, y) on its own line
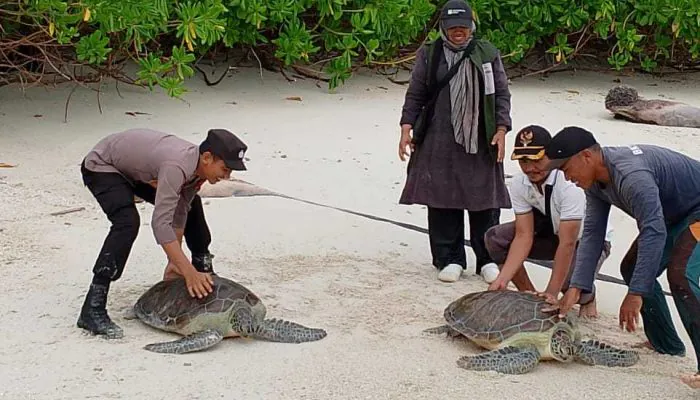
point(116, 198)
point(446, 232)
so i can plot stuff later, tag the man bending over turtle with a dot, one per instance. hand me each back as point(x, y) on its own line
point(548, 224)
point(166, 171)
point(660, 189)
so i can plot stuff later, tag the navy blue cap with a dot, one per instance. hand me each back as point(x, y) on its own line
point(456, 13)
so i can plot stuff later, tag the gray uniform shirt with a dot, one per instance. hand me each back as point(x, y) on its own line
point(655, 186)
point(146, 155)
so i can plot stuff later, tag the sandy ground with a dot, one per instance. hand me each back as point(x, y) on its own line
point(370, 284)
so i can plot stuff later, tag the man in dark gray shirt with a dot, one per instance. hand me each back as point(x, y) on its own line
point(660, 189)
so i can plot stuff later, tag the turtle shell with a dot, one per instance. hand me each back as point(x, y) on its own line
point(168, 305)
point(492, 317)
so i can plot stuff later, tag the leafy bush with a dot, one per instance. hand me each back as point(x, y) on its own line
point(647, 33)
point(167, 38)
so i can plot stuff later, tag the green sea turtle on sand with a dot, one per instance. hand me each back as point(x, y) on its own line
point(230, 310)
point(625, 103)
point(519, 334)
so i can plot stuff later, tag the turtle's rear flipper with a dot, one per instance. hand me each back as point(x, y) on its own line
point(129, 313)
point(439, 330)
point(506, 360)
point(187, 344)
point(277, 330)
point(594, 352)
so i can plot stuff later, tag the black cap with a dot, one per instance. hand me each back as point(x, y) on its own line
point(530, 143)
point(568, 142)
point(456, 13)
point(226, 146)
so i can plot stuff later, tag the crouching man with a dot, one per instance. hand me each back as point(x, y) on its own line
point(660, 189)
point(549, 213)
point(166, 171)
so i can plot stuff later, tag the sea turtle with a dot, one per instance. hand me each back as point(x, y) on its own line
point(625, 103)
point(230, 310)
point(519, 334)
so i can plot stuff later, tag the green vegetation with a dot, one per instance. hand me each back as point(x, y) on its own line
point(58, 39)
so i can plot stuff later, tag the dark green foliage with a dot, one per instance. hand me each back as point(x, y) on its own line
point(165, 37)
point(644, 32)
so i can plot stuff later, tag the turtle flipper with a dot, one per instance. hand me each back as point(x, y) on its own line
point(594, 352)
point(187, 344)
point(506, 360)
point(439, 330)
point(129, 313)
point(277, 330)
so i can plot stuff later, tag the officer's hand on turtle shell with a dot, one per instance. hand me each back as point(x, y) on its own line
point(199, 284)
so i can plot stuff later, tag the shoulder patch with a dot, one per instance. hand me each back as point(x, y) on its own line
point(635, 150)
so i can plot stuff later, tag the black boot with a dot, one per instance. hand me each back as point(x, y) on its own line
point(203, 263)
point(93, 316)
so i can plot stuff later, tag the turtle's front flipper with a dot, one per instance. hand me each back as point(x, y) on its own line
point(594, 352)
point(187, 344)
point(277, 330)
point(506, 360)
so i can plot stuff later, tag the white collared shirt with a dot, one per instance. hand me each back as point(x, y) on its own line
point(568, 200)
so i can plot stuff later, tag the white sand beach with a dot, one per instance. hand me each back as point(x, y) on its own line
point(369, 284)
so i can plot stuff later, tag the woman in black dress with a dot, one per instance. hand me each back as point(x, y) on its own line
point(456, 160)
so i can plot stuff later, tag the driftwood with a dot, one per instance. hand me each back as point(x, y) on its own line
point(625, 103)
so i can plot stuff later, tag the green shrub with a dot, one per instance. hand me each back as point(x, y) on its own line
point(166, 37)
point(643, 32)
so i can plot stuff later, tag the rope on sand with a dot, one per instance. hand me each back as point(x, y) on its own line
point(259, 191)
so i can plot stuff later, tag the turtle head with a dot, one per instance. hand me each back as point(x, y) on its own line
point(242, 321)
point(563, 345)
point(621, 96)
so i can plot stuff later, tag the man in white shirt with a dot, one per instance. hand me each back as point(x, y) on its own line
point(549, 213)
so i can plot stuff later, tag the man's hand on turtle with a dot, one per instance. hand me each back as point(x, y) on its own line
point(570, 298)
point(549, 298)
point(498, 284)
point(171, 272)
point(199, 284)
